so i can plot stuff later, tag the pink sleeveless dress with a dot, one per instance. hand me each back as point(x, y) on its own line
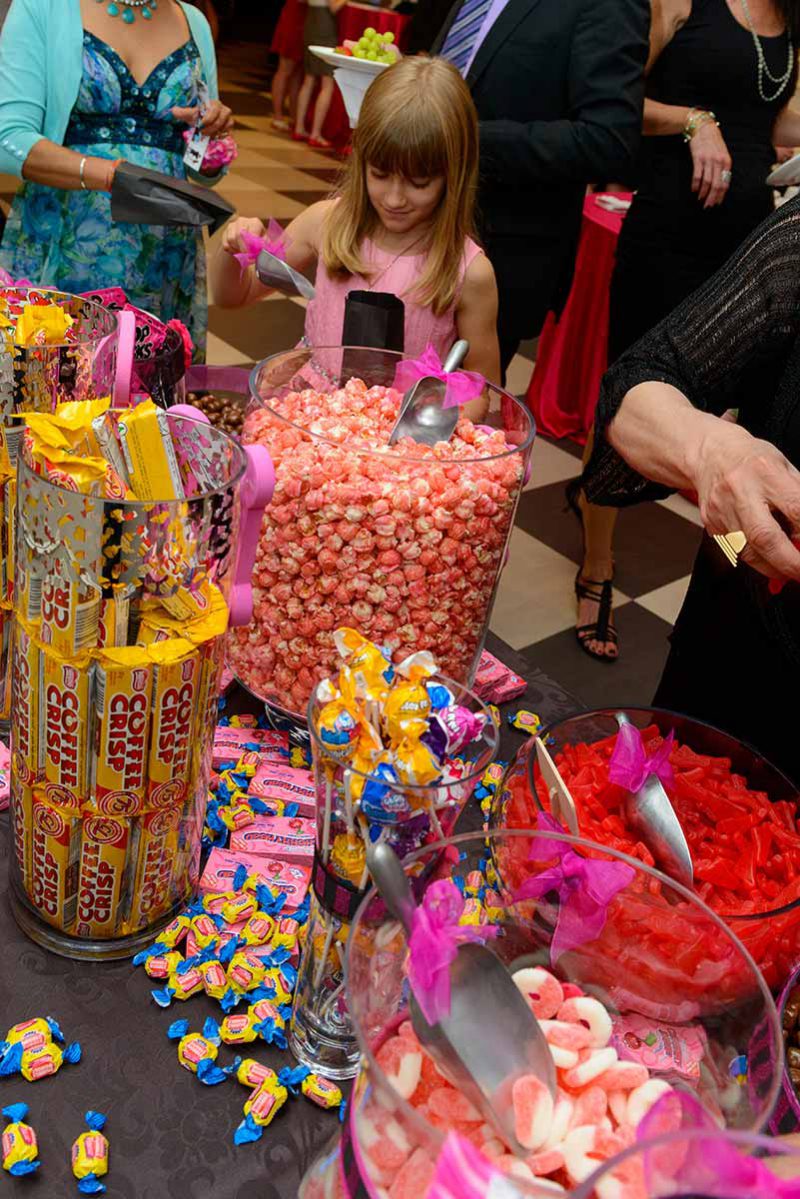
point(398, 276)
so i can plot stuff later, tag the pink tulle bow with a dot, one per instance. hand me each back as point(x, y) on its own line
point(433, 944)
point(460, 386)
point(711, 1164)
point(630, 766)
point(220, 152)
point(585, 886)
point(273, 243)
point(462, 1172)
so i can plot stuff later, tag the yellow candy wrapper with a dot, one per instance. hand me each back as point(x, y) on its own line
point(20, 1147)
point(90, 1155)
point(42, 325)
point(321, 1091)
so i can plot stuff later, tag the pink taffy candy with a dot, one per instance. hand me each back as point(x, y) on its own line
point(230, 743)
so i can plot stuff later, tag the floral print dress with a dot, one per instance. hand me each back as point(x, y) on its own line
point(67, 239)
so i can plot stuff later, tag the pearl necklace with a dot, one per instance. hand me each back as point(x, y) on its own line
point(763, 69)
point(129, 8)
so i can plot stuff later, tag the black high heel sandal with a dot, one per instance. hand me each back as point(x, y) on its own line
point(597, 592)
point(601, 593)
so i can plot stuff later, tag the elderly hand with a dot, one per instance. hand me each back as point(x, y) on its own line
point(744, 484)
point(231, 240)
point(711, 162)
point(217, 118)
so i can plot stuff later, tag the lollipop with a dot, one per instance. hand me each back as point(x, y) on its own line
point(452, 729)
point(408, 704)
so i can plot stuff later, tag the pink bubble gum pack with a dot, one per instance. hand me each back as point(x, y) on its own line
point(274, 781)
point(287, 838)
point(230, 743)
point(292, 879)
point(496, 683)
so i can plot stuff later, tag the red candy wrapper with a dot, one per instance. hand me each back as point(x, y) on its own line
point(285, 838)
point(496, 683)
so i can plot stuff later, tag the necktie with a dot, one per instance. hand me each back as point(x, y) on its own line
point(460, 41)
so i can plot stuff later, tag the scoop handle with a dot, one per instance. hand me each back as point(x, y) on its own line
point(456, 356)
point(392, 882)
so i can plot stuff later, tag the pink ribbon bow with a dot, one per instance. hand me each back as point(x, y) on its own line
point(630, 766)
point(433, 944)
point(585, 886)
point(460, 386)
point(712, 1164)
point(462, 1172)
point(273, 243)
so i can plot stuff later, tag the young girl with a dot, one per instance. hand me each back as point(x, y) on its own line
point(402, 222)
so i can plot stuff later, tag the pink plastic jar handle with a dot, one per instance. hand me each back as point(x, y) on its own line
point(126, 327)
point(189, 411)
point(257, 488)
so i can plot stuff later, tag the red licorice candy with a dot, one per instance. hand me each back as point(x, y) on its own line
point(745, 849)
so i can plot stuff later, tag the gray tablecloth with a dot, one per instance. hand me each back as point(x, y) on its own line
point(170, 1137)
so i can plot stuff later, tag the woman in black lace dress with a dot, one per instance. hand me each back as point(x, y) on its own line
point(661, 424)
point(720, 76)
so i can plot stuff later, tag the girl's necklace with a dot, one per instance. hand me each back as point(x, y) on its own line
point(400, 254)
point(763, 69)
point(130, 8)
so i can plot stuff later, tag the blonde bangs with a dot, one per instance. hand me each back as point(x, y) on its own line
point(417, 120)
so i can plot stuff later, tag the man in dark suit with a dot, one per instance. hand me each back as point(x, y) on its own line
point(559, 89)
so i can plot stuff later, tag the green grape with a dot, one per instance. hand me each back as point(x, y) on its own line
point(388, 37)
point(359, 53)
point(372, 55)
point(369, 32)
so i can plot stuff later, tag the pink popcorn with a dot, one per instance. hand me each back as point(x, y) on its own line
point(404, 544)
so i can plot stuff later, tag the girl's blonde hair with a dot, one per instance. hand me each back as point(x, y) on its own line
point(417, 120)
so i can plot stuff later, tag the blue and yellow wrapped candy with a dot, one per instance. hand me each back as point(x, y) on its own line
point(90, 1156)
point(20, 1147)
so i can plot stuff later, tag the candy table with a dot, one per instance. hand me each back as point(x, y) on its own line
point(572, 355)
point(170, 1137)
point(353, 20)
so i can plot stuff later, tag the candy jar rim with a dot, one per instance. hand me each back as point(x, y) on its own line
point(89, 339)
point(383, 451)
point(554, 726)
point(771, 1146)
point(488, 836)
point(236, 476)
point(452, 686)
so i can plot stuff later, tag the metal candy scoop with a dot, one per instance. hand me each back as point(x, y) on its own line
point(422, 417)
point(650, 812)
point(491, 1037)
point(274, 272)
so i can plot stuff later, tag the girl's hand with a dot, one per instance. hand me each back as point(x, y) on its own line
point(711, 159)
point(232, 242)
point(742, 483)
point(217, 118)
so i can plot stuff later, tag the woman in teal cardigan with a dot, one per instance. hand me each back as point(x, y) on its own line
point(84, 83)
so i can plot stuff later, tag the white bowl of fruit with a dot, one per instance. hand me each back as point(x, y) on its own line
point(357, 63)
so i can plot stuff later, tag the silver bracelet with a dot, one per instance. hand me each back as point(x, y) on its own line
point(83, 181)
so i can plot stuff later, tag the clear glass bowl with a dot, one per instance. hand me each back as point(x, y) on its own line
point(772, 936)
point(699, 982)
point(402, 544)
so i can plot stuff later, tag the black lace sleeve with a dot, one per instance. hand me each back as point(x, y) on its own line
point(706, 347)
